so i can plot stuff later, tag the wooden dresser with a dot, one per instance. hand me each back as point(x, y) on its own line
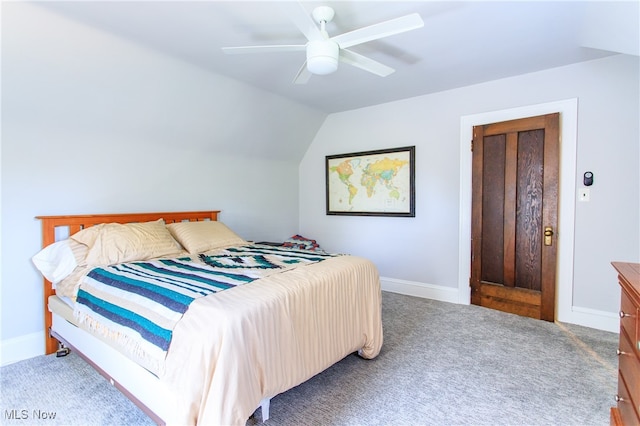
point(627, 410)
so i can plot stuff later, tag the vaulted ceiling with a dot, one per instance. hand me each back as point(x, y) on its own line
point(461, 43)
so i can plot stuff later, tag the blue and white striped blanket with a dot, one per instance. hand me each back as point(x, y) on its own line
point(137, 305)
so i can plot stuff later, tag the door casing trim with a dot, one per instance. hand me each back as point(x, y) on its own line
point(568, 110)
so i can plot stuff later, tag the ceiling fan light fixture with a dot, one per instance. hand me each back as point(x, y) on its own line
point(322, 57)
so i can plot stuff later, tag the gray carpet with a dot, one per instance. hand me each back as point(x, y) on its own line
point(62, 391)
point(441, 364)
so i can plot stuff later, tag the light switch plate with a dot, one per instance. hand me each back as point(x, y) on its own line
point(585, 194)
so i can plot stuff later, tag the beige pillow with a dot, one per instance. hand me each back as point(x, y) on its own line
point(69, 286)
point(79, 251)
point(202, 236)
point(88, 235)
point(120, 243)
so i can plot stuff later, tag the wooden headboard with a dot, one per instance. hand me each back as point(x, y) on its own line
point(75, 223)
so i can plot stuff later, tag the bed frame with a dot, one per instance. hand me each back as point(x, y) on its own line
point(61, 333)
point(153, 395)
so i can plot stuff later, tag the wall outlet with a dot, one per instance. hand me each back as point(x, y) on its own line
point(585, 194)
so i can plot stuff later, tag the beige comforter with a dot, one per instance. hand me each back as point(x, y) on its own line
point(235, 348)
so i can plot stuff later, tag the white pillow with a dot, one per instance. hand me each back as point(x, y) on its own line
point(56, 261)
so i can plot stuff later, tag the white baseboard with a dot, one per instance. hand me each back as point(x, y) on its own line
point(601, 320)
point(586, 317)
point(21, 347)
point(413, 288)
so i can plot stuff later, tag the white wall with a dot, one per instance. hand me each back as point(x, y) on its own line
point(94, 124)
point(423, 251)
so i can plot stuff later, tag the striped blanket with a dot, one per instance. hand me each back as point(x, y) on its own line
point(137, 305)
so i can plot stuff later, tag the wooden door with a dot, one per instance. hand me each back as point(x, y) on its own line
point(515, 216)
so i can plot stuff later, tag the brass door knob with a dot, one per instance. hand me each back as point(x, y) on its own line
point(548, 233)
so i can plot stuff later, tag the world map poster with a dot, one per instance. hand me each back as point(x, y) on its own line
point(374, 183)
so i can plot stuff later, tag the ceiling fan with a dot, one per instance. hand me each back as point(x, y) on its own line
point(324, 52)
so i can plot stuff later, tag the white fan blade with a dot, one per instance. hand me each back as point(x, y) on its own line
point(376, 31)
point(367, 64)
point(301, 18)
point(264, 49)
point(303, 75)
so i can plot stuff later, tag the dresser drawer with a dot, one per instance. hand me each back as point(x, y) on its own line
point(629, 320)
point(625, 406)
point(629, 365)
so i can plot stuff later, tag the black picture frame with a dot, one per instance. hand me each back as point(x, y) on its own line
point(354, 189)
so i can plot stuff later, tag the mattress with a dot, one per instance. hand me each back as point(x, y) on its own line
point(62, 306)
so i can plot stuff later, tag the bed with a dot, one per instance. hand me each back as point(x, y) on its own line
point(229, 351)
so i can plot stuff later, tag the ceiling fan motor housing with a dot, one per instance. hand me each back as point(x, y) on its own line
point(322, 56)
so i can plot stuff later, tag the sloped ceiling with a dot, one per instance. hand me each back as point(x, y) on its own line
point(462, 43)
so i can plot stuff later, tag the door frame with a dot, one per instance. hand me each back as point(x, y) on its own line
point(568, 110)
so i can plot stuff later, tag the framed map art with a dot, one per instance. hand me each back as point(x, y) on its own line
point(372, 183)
